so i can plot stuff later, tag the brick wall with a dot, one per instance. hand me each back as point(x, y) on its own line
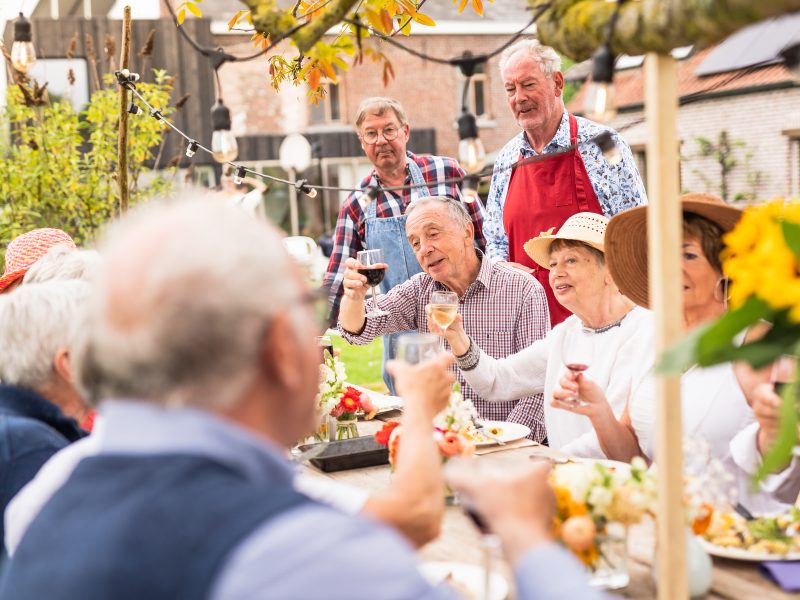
point(759, 120)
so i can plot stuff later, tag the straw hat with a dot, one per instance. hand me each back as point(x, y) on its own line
point(626, 241)
point(585, 227)
point(26, 249)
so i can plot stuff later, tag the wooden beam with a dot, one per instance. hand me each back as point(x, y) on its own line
point(665, 233)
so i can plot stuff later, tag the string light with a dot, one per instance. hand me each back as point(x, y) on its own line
point(224, 147)
point(605, 141)
point(471, 153)
point(791, 58)
point(191, 148)
point(601, 97)
point(301, 185)
point(469, 189)
point(134, 108)
point(156, 114)
point(239, 177)
point(23, 54)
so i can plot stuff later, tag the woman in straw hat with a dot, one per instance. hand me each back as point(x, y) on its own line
point(610, 337)
point(714, 400)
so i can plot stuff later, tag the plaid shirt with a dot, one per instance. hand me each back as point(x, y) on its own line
point(350, 235)
point(504, 310)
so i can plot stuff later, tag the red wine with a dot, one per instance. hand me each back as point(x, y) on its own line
point(577, 367)
point(374, 275)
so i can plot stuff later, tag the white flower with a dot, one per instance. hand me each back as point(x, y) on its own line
point(575, 477)
point(600, 499)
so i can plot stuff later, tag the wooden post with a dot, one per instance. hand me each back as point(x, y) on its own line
point(122, 142)
point(293, 210)
point(664, 230)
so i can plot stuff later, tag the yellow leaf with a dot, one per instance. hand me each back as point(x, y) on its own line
point(463, 5)
point(373, 19)
point(181, 16)
point(250, 17)
point(424, 19)
point(235, 19)
point(194, 10)
point(314, 76)
point(477, 5)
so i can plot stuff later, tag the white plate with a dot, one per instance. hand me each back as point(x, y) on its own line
point(509, 432)
point(467, 579)
point(742, 554)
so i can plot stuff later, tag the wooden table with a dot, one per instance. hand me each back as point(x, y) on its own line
point(460, 540)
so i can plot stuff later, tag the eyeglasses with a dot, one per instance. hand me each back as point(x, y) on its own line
point(371, 136)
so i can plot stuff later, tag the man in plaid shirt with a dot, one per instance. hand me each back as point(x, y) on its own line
point(365, 222)
point(503, 309)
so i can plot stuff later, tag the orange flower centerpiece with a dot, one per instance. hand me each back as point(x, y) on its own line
point(339, 402)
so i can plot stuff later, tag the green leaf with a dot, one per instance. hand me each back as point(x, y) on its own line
point(682, 355)
point(791, 233)
point(780, 453)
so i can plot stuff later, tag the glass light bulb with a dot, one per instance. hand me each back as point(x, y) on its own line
point(600, 102)
point(224, 147)
point(471, 154)
point(311, 192)
point(23, 56)
point(612, 155)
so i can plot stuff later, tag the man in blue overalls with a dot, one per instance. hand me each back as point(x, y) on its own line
point(366, 223)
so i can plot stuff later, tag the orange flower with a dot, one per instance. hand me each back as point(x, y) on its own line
point(450, 444)
point(382, 437)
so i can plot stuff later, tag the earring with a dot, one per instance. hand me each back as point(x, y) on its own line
point(724, 291)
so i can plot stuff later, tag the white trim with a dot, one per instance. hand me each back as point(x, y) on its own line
point(219, 27)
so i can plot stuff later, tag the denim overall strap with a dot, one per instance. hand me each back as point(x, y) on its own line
point(390, 234)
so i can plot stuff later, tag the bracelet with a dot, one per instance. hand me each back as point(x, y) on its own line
point(469, 360)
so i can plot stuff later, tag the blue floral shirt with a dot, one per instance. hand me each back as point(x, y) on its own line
point(617, 187)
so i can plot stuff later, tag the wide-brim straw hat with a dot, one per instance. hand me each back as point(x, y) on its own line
point(585, 227)
point(626, 241)
point(26, 249)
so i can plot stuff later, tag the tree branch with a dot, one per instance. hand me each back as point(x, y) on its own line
point(577, 27)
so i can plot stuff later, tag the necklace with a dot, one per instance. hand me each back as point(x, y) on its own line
point(605, 328)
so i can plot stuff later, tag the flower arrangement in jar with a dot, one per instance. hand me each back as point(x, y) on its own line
point(338, 404)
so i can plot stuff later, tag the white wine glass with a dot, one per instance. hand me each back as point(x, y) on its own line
point(443, 308)
point(374, 269)
point(577, 352)
point(414, 348)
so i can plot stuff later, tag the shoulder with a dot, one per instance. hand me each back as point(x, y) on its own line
point(504, 274)
point(24, 434)
point(508, 153)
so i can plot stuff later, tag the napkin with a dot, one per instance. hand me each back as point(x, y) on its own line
point(786, 573)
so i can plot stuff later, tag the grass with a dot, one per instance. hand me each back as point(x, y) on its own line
point(363, 363)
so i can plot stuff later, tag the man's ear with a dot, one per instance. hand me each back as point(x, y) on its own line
point(280, 353)
point(558, 81)
point(62, 365)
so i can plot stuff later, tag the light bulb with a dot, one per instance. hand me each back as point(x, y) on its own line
point(239, 177)
point(605, 141)
point(191, 149)
point(469, 190)
point(791, 58)
point(224, 147)
point(23, 54)
point(134, 108)
point(600, 102)
point(471, 154)
point(310, 192)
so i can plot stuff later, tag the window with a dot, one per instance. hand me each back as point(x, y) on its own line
point(477, 101)
point(327, 110)
point(56, 72)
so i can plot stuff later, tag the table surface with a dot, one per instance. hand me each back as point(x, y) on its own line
point(461, 542)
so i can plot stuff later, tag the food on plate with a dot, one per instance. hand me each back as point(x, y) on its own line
point(479, 437)
point(763, 535)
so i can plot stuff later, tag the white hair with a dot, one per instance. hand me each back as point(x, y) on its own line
point(36, 321)
point(548, 59)
point(455, 209)
point(182, 303)
point(62, 262)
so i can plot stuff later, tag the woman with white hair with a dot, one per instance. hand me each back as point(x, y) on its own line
point(608, 340)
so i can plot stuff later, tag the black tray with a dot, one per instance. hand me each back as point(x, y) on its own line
point(350, 454)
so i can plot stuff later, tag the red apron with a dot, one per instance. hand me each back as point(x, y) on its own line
point(541, 195)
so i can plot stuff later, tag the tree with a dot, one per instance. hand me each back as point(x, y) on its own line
point(58, 165)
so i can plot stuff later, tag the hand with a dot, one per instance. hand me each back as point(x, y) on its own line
point(516, 501)
point(593, 402)
point(520, 266)
point(454, 334)
point(767, 410)
point(355, 284)
point(425, 387)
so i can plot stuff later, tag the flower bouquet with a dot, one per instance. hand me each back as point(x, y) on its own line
point(761, 262)
point(338, 405)
point(595, 504)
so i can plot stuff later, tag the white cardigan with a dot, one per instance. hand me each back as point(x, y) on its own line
point(623, 356)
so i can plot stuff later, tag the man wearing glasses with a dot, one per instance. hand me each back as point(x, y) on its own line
point(368, 222)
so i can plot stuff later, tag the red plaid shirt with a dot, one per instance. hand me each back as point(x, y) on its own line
point(350, 235)
point(504, 310)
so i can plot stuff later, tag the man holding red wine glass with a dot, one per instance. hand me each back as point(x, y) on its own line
point(505, 308)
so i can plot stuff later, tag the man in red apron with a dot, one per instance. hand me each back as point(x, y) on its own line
point(566, 172)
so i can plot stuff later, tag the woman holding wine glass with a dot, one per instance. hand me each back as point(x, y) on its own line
point(608, 341)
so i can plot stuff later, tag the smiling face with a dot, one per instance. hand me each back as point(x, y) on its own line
point(387, 156)
point(700, 278)
point(441, 245)
point(534, 98)
point(578, 279)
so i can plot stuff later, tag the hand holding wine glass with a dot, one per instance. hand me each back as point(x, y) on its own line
point(577, 353)
point(443, 308)
point(373, 268)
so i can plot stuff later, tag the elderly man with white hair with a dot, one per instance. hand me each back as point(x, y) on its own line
point(62, 263)
point(207, 355)
point(39, 403)
point(566, 172)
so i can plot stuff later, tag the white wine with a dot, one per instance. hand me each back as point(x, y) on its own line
point(444, 314)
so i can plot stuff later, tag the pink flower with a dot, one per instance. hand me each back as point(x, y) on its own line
point(337, 411)
point(450, 444)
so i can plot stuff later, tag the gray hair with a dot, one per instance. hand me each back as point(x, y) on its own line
point(378, 105)
point(548, 59)
point(455, 209)
point(36, 321)
point(182, 303)
point(62, 263)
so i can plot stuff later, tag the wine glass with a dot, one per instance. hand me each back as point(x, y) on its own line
point(414, 348)
point(325, 344)
point(373, 269)
point(444, 308)
point(577, 352)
